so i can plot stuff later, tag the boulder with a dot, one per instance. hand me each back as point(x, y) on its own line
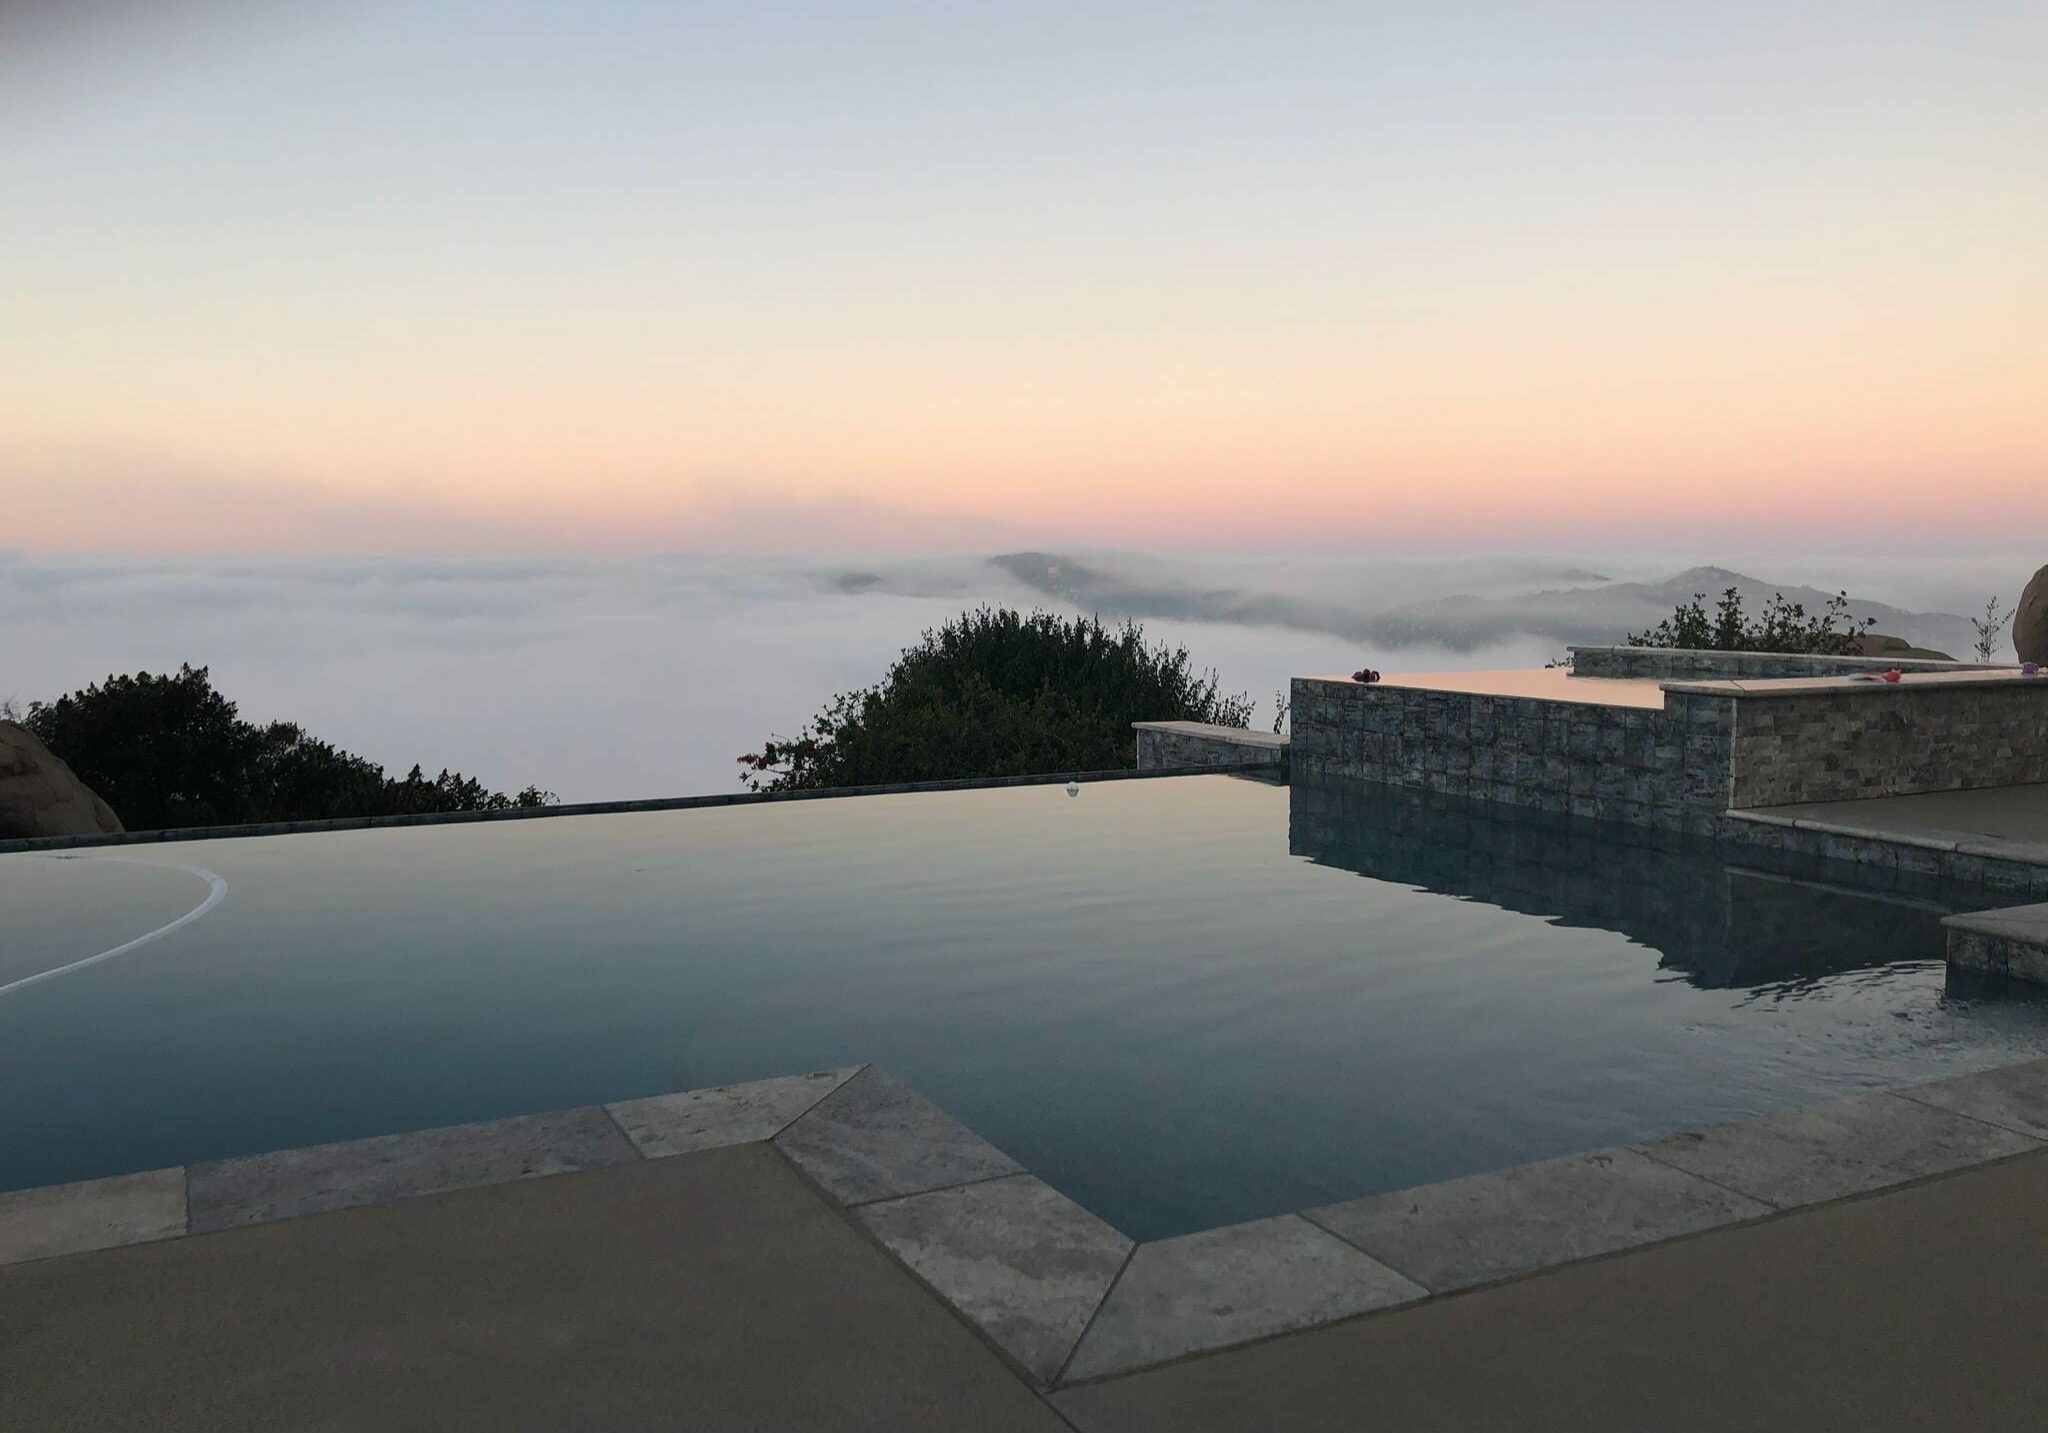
point(2030, 620)
point(1877, 644)
point(39, 795)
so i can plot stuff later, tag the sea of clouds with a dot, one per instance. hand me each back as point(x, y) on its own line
point(617, 678)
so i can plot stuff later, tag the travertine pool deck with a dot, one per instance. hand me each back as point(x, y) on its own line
point(833, 1251)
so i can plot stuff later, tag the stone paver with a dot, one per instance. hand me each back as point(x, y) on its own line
point(1023, 1262)
point(664, 1125)
point(292, 1182)
point(97, 1214)
point(1849, 1147)
point(1225, 1286)
point(876, 1138)
point(1512, 1221)
point(2015, 1097)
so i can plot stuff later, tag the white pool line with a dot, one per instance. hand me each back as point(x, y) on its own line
point(213, 898)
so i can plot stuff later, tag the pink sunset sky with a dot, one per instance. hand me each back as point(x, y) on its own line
point(624, 276)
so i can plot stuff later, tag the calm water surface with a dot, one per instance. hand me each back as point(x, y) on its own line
point(1183, 1002)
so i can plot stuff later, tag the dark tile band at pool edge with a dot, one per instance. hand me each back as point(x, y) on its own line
point(1065, 1297)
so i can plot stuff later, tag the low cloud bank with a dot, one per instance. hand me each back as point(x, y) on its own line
point(639, 677)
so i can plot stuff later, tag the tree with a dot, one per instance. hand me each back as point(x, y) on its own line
point(171, 751)
point(997, 693)
point(1783, 627)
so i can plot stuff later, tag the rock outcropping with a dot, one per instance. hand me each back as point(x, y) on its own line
point(1876, 644)
point(2030, 621)
point(39, 795)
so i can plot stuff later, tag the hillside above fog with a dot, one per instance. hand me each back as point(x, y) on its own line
point(1519, 599)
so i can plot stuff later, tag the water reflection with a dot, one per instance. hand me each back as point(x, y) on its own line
point(1721, 917)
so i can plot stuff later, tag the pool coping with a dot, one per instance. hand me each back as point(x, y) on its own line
point(1063, 1296)
point(1252, 766)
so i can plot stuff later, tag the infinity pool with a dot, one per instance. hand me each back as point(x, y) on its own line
point(1183, 1001)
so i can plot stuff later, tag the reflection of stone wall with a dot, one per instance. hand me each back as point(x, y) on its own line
point(1688, 664)
point(1189, 743)
point(1639, 765)
point(1722, 925)
point(1889, 741)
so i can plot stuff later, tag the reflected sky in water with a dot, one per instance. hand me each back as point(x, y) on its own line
point(1184, 1002)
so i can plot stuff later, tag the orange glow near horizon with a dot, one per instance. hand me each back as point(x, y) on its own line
point(1639, 287)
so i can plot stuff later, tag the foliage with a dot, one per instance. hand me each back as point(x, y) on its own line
point(1783, 627)
point(1989, 628)
point(171, 751)
point(997, 693)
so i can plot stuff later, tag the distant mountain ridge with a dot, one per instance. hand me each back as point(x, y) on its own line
point(1602, 611)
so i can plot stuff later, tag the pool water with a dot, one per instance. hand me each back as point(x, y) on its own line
point(1184, 1001)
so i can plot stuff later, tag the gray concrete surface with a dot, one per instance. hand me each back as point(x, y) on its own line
point(95, 1214)
point(876, 1138)
point(1231, 1285)
point(2014, 1098)
point(663, 1125)
point(1491, 1226)
point(1024, 1263)
point(1919, 1308)
point(2016, 814)
point(711, 1292)
point(291, 1182)
point(1835, 1150)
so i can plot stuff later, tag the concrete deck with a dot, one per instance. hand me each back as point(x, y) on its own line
point(300, 1287)
point(721, 1290)
point(711, 1291)
point(2012, 814)
point(1919, 1308)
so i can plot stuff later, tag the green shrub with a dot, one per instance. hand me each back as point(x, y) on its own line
point(171, 751)
point(1783, 627)
point(997, 693)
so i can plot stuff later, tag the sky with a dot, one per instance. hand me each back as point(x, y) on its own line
point(621, 276)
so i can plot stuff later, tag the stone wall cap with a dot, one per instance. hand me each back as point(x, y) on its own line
point(1858, 686)
point(1856, 662)
point(1243, 736)
point(2028, 924)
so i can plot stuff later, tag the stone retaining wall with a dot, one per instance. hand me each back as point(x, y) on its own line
point(1690, 664)
point(1183, 744)
point(1847, 743)
point(1665, 768)
point(1711, 748)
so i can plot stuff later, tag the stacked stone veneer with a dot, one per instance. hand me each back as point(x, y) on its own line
point(1691, 664)
point(1847, 743)
point(1712, 747)
point(1181, 744)
point(1667, 768)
